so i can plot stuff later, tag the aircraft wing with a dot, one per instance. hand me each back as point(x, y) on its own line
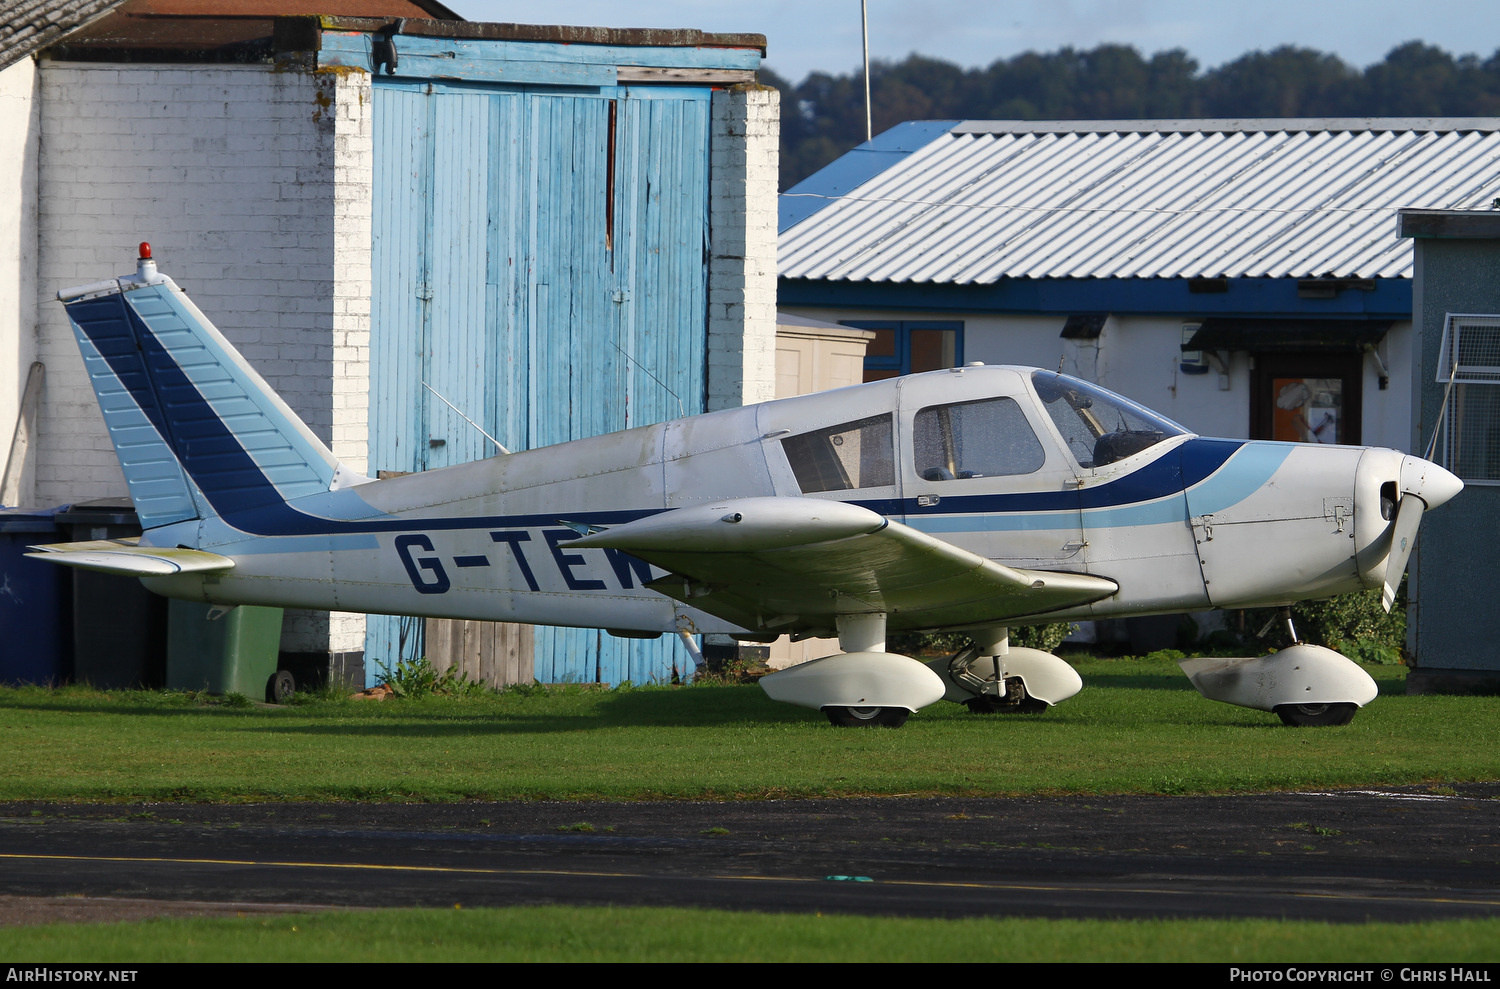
point(131, 560)
point(769, 563)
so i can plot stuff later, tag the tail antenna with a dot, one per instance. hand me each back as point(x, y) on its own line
point(681, 411)
point(465, 418)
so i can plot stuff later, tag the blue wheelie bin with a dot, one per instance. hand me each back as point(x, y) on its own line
point(35, 600)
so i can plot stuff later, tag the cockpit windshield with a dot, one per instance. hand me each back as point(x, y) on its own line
point(1099, 426)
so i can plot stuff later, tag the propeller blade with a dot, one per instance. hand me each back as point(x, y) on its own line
point(1403, 536)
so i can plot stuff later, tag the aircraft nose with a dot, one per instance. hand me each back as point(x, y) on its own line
point(1425, 479)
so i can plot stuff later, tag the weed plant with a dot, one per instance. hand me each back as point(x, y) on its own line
point(413, 678)
point(1353, 624)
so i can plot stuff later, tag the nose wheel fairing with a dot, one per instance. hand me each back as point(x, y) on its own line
point(1304, 680)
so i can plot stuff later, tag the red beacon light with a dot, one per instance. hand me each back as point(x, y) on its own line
point(145, 268)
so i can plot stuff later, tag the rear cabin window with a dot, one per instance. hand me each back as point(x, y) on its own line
point(988, 438)
point(858, 454)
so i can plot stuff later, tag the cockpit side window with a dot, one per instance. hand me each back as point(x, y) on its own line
point(858, 454)
point(988, 438)
point(1099, 426)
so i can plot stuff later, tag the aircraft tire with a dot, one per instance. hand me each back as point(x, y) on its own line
point(281, 687)
point(867, 717)
point(1316, 715)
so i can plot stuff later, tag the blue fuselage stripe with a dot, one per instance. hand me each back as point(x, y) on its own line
point(1215, 474)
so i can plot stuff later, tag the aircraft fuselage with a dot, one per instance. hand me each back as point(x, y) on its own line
point(977, 456)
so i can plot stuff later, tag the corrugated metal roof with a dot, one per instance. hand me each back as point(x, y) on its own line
point(984, 201)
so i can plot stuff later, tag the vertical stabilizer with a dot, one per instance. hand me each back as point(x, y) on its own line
point(198, 432)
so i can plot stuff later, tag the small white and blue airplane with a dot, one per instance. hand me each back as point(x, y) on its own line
point(971, 499)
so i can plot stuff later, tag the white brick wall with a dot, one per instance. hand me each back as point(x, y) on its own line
point(18, 159)
point(253, 186)
point(742, 234)
point(354, 180)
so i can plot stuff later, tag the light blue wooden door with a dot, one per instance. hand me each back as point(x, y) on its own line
point(539, 263)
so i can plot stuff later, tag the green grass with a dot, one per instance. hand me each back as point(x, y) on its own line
point(1138, 727)
point(614, 934)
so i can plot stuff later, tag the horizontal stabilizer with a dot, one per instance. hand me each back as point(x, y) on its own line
point(131, 560)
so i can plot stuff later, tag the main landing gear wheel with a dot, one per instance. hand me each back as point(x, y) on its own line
point(872, 717)
point(993, 705)
point(1316, 715)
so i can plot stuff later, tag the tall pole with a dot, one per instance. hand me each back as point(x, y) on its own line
point(864, 22)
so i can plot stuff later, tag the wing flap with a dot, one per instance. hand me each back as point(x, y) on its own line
point(131, 560)
point(784, 562)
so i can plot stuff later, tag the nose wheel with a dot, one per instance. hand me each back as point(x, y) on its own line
point(858, 717)
point(1316, 715)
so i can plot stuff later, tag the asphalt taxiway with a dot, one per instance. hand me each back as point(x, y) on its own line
point(1400, 854)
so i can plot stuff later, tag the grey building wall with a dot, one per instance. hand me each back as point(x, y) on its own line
point(1453, 621)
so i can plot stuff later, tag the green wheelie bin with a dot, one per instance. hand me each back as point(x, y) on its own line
point(235, 653)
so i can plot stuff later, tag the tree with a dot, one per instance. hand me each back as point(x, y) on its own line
point(1284, 82)
point(823, 116)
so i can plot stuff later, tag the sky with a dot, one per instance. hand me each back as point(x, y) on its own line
point(807, 35)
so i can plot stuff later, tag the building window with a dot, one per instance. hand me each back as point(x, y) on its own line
point(909, 346)
point(1469, 371)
